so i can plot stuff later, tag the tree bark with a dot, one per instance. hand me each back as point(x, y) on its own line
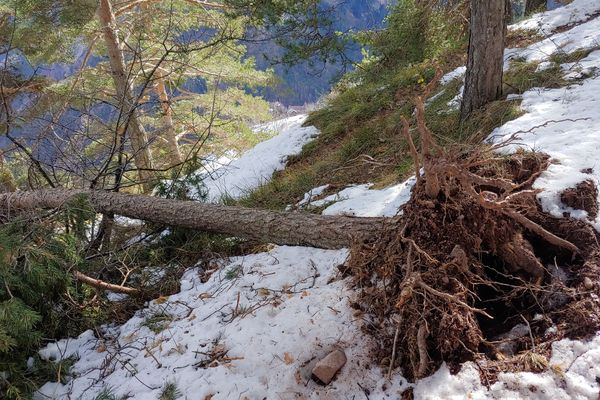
point(294, 229)
point(534, 5)
point(98, 284)
point(169, 127)
point(483, 81)
point(135, 129)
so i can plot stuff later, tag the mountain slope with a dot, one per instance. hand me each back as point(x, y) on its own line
point(254, 327)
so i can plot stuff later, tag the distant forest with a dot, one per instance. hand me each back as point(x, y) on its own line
point(305, 85)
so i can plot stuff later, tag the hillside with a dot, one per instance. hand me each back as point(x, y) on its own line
point(253, 326)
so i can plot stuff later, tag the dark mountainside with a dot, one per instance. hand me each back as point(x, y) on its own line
point(303, 84)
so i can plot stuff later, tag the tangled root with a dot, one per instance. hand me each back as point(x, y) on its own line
point(472, 259)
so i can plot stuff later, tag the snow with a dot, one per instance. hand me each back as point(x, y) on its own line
point(582, 36)
point(573, 371)
point(547, 22)
point(360, 201)
point(311, 195)
point(235, 178)
point(295, 316)
point(564, 123)
point(452, 75)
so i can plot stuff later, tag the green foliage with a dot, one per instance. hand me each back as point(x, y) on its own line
point(108, 394)
point(233, 272)
point(158, 321)
point(185, 183)
point(523, 75)
point(416, 32)
point(45, 30)
point(33, 280)
point(169, 392)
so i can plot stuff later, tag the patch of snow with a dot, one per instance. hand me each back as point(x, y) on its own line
point(570, 14)
point(572, 375)
point(564, 123)
point(116, 297)
point(456, 101)
point(311, 195)
point(544, 66)
point(584, 36)
point(361, 201)
point(68, 348)
point(584, 68)
point(235, 178)
point(457, 73)
point(128, 222)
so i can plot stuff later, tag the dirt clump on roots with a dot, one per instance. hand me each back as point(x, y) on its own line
point(584, 196)
point(474, 270)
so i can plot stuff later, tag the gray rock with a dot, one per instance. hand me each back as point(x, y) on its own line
point(326, 369)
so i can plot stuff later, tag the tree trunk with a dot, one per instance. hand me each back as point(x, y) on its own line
point(534, 5)
point(169, 127)
point(483, 81)
point(295, 229)
point(135, 129)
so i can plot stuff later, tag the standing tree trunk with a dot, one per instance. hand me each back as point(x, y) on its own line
point(135, 129)
point(483, 81)
point(296, 229)
point(169, 127)
point(534, 5)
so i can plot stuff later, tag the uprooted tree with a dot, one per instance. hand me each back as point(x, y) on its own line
point(472, 256)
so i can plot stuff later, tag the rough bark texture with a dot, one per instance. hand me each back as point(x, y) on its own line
point(534, 5)
point(135, 129)
point(483, 82)
point(330, 232)
point(169, 127)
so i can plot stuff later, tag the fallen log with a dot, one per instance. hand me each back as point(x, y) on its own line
point(282, 228)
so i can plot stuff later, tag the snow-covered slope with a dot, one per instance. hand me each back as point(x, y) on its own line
point(271, 315)
point(234, 178)
point(564, 123)
point(268, 317)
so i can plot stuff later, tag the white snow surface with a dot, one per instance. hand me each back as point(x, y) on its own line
point(570, 14)
point(583, 36)
point(235, 178)
point(277, 312)
point(361, 201)
point(289, 315)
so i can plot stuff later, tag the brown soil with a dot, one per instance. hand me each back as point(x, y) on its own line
point(584, 196)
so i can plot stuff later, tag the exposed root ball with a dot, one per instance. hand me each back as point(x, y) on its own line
point(460, 270)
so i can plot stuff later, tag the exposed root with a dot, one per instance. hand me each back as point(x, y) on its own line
point(473, 257)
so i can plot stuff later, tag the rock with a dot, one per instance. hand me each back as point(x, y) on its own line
point(326, 369)
point(588, 283)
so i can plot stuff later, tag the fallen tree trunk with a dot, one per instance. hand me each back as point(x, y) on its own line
point(295, 229)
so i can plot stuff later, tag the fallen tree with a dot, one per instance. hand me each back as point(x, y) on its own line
point(295, 229)
point(472, 256)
